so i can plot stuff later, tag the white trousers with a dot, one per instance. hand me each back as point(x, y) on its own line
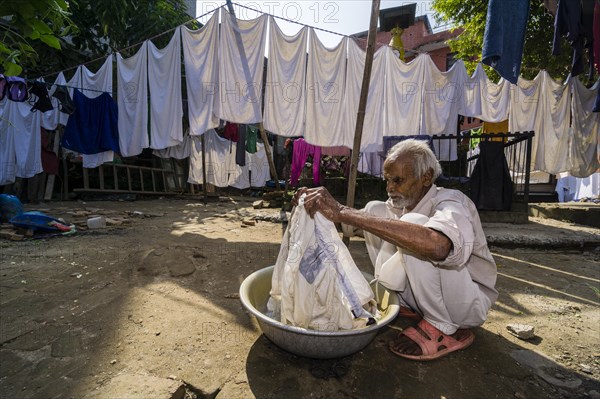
point(447, 298)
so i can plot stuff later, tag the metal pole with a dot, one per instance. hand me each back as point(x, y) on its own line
point(362, 105)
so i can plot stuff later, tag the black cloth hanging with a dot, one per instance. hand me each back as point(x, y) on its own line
point(491, 185)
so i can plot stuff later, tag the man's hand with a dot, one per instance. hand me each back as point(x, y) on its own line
point(319, 200)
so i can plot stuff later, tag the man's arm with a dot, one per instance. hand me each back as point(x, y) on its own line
point(423, 241)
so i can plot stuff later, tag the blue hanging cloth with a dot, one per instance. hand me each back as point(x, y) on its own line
point(93, 127)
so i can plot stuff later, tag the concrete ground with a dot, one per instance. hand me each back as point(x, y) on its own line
point(149, 308)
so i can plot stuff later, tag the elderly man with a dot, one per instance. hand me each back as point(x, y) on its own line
point(443, 259)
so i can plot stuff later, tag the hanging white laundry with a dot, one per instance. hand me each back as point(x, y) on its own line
point(200, 57)
point(258, 166)
point(220, 160)
point(485, 99)
point(524, 98)
point(24, 128)
point(585, 150)
point(285, 88)
point(373, 124)
point(542, 105)
point(92, 85)
point(325, 85)
point(552, 126)
point(7, 145)
point(180, 151)
point(241, 65)
point(442, 100)
point(132, 100)
point(403, 95)
point(164, 79)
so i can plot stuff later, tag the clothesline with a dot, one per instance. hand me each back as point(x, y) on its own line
point(197, 18)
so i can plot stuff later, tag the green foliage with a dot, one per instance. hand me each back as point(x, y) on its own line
point(537, 53)
point(105, 26)
point(27, 22)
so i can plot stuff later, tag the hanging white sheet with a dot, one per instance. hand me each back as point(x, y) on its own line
point(285, 88)
point(256, 163)
point(200, 57)
point(373, 124)
point(241, 66)
point(180, 151)
point(132, 100)
point(7, 145)
point(541, 105)
point(485, 99)
point(164, 80)
point(326, 81)
point(403, 95)
point(586, 131)
point(220, 160)
point(552, 128)
point(442, 100)
point(20, 141)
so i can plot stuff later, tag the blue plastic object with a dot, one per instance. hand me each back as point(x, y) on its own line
point(36, 221)
point(10, 206)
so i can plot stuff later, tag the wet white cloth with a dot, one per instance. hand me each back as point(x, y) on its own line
point(220, 160)
point(371, 139)
point(200, 57)
point(92, 85)
point(241, 66)
point(132, 100)
point(316, 283)
point(20, 141)
point(325, 82)
point(584, 149)
point(164, 80)
point(285, 87)
point(403, 95)
point(458, 291)
point(258, 166)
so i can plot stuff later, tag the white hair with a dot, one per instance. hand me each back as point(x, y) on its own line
point(423, 157)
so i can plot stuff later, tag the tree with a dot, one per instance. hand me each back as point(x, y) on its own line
point(105, 27)
point(25, 24)
point(537, 53)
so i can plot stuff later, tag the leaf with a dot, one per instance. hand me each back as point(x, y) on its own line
point(11, 69)
point(51, 41)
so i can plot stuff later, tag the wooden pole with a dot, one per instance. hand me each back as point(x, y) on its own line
point(204, 187)
point(362, 105)
point(263, 135)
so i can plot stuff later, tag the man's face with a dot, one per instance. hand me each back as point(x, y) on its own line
point(403, 188)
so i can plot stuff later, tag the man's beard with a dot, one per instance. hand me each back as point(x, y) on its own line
point(399, 203)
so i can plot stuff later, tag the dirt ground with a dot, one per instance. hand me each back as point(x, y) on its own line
point(149, 308)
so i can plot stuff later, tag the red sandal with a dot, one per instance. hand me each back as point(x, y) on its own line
point(433, 343)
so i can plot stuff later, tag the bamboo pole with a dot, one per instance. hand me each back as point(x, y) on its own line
point(362, 105)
